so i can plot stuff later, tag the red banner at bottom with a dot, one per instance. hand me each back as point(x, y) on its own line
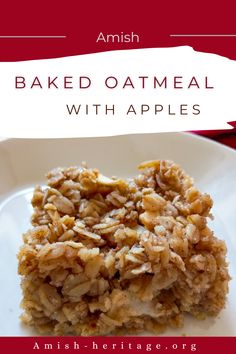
point(93, 345)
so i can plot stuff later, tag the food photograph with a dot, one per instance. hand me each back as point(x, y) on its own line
point(125, 235)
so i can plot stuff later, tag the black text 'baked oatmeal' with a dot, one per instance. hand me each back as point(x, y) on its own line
point(107, 255)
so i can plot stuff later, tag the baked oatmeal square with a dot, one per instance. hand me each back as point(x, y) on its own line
point(112, 256)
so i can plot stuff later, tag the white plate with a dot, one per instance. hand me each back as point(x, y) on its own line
point(23, 164)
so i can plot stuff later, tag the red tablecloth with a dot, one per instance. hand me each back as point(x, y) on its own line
point(227, 137)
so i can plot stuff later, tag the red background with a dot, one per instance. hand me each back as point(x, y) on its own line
point(81, 22)
point(204, 345)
